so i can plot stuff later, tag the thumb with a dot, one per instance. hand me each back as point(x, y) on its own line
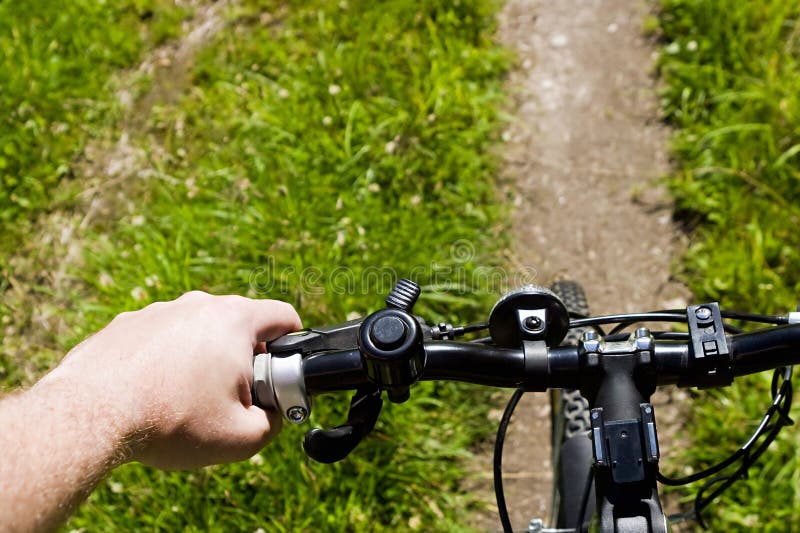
point(273, 318)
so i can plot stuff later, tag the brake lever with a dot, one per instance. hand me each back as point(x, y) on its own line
point(332, 445)
point(390, 343)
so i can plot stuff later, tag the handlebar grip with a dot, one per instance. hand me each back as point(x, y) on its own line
point(766, 349)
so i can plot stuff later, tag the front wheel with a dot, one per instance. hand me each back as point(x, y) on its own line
point(572, 450)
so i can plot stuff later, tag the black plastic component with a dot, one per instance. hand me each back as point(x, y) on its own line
point(598, 436)
point(625, 446)
point(574, 467)
point(334, 371)
point(649, 433)
point(508, 331)
point(390, 342)
point(403, 295)
point(332, 445)
point(388, 332)
point(625, 450)
point(709, 345)
point(307, 341)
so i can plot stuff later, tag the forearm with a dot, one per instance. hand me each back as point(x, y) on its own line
point(57, 441)
point(168, 386)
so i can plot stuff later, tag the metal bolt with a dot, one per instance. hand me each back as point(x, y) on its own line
point(648, 410)
point(595, 415)
point(296, 414)
point(589, 335)
point(703, 313)
point(536, 525)
point(533, 323)
point(642, 332)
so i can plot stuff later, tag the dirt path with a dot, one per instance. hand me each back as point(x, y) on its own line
point(581, 157)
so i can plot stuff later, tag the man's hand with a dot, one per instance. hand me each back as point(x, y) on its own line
point(183, 370)
point(168, 385)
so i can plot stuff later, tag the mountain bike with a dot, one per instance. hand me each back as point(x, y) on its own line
point(605, 440)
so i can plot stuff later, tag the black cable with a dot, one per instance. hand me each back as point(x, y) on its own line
point(580, 316)
point(781, 402)
point(470, 328)
point(753, 317)
point(628, 317)
point(672, 335)
point(498, 460)
point(780, 406)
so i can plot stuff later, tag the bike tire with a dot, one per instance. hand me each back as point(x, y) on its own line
point(569, 426)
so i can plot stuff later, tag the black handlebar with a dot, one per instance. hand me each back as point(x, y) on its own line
point(391, 349)
point(504, 367)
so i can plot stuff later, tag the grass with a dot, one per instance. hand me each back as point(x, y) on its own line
point(732, 80)
point(57, 94)
point(55, 63)
point(319, 150)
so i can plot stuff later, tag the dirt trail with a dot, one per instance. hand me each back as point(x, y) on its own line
point(582, 156)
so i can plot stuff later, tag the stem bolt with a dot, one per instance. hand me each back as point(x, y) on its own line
point(533, 323)
point(296, 414)
point(702, 313)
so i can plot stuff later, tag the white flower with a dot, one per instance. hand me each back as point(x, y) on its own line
point(138, 294)
point(334, 89)
point(672, 48)
point(137, 220)
point(326, 120)
point(390, 147)
point(691, 46)
point(283, 93)
point(115, 487)
point(105, 280)
point(257, 460)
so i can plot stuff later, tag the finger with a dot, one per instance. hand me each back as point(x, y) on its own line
point(255, 427)
point(272, 318)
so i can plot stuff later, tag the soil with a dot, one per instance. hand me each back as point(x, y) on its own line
point(582, 159)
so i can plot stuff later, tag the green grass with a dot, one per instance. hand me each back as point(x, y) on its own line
point(732, 83)
point(58, 66)
point(316, 141)
point(55, 63)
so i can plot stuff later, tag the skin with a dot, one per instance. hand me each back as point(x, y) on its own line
point(168, 386)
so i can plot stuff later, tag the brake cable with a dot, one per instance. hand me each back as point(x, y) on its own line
point(499, 494)
point(780, 407)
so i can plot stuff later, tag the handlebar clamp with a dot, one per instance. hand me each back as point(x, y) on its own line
point(709, 346)
point(279, 384)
